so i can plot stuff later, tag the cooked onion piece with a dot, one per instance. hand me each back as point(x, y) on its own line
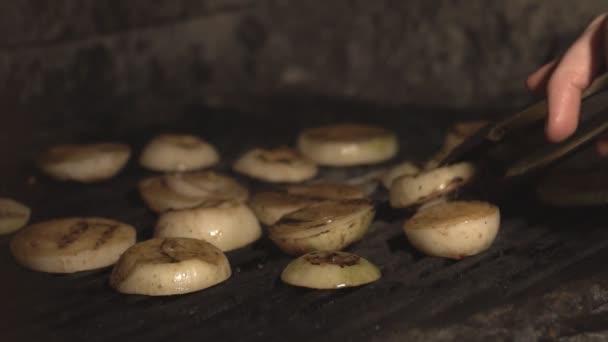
point(330, 270)
point(269, 207)
point(162, 267)
point(455, 136)
point(13, 215)
point(188, 190)
point(227, 225)
point(71, 244)
point(348, 145)
point(279, 165)
point(178, 152)
point(408, 191)
point(454, 229)
point(406, 168)
point(85, 163)
point(325, 226)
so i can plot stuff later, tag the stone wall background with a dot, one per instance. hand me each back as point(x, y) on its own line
point(75, 56)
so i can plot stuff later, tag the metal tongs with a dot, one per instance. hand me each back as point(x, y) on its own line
point(515, 146)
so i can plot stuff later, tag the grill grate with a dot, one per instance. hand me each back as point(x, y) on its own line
point(534, 246)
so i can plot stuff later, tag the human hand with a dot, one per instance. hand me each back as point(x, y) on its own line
point(566, 78)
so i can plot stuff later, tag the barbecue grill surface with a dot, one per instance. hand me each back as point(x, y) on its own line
point(535, 247)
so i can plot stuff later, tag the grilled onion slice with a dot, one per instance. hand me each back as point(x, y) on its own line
point(162, 267)
point(178, 152)
point(188, 190)
point(408, 191)
point(454, 229)
point(71, 244)
point(13, 215)
point(279, 165)
point(269, 207)
point(348, 145)
point(85, 163)
point(330, 270)
point(406, 168)
point(227, 225)
point(325, 226)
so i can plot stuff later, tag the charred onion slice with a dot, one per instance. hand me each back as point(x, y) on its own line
point(162, 267)
point(403, 169)
point(455, 136)
point(348, 145)
point(454, 229)
point(178, 152)
point(71, 244)
point(13, 215)
point(206, 185)
point(227, 225)
point(269, 207)
point(408, 191)
point(279, 165)
point(85, 163)
point(325, 226)
point(330, 270)
point(188, 190)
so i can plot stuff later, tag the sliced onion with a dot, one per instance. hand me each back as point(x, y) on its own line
point(206, 184)
point(406, 168)
point(227, 225)
point(269, 207)
point(161, 267)
point(71, 244)
point(178, 152)
point(330, 270)
point(327, 226)
point(408, 191)
point(279, 165)
point(84, 163)
point(188, 190)
point(348, 145)
point(13, 215)
point(454, 229)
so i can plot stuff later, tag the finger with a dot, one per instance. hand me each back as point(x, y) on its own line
point(572, 75)
point(538, 80)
